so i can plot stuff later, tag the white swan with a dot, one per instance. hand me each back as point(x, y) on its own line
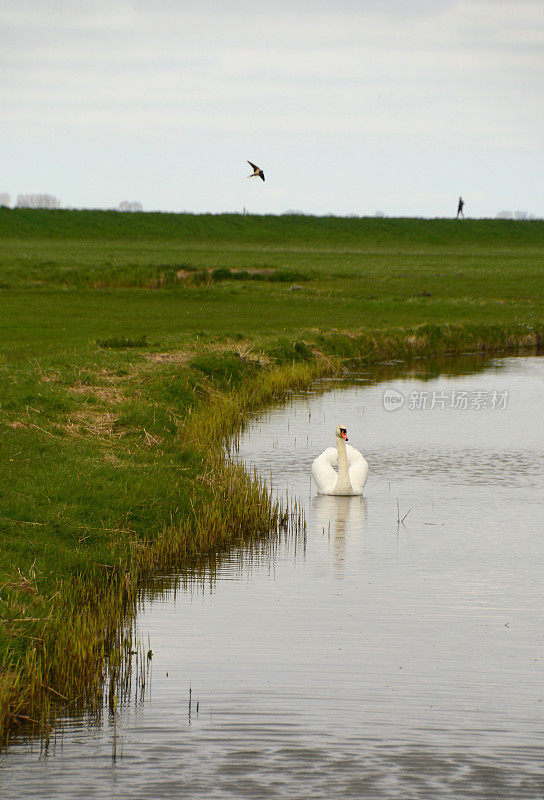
point(352, 468)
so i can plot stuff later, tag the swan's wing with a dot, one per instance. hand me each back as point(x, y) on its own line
point(358, 468)
point(358, 473)
point(329, 456)
point(322, 472)
point(353, 455)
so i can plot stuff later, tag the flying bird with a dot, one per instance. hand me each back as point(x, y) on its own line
point(257, 171)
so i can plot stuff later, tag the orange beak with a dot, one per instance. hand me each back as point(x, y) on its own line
point(344, 435)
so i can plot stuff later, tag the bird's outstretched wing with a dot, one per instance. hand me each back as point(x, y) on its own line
point(261, 173)
point(255, 167)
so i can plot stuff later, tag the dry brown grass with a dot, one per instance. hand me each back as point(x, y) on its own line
point(104, 394)
point(92, 422)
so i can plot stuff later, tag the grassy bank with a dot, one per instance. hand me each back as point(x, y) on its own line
point(131, 345)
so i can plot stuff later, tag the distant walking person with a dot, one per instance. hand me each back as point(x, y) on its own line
point(460, 208)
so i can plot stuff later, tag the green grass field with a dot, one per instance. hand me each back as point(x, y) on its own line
point(354, 274)
point(129, 342)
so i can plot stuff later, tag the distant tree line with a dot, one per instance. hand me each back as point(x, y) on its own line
point(49, 201)
point(37, 201)
point(515, 215)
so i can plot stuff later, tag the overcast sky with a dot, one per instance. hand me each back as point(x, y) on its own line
point(349, 106)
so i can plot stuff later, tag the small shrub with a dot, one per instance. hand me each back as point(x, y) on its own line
point(285, 351)
point(226, 369)
point(220, 274)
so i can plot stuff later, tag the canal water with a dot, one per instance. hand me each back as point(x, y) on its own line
point(395, 649)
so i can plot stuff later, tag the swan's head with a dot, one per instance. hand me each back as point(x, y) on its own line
point(341, 433)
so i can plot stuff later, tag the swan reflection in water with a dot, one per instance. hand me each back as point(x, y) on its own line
point(345, 518)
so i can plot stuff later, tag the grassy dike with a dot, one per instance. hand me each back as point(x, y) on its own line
point(132, 345)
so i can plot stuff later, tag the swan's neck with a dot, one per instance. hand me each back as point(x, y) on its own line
point(343, 483)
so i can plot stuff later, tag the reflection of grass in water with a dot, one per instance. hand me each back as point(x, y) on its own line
point(70, 649)
point(126, 667)
point(201, 575)
point(121, 381)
